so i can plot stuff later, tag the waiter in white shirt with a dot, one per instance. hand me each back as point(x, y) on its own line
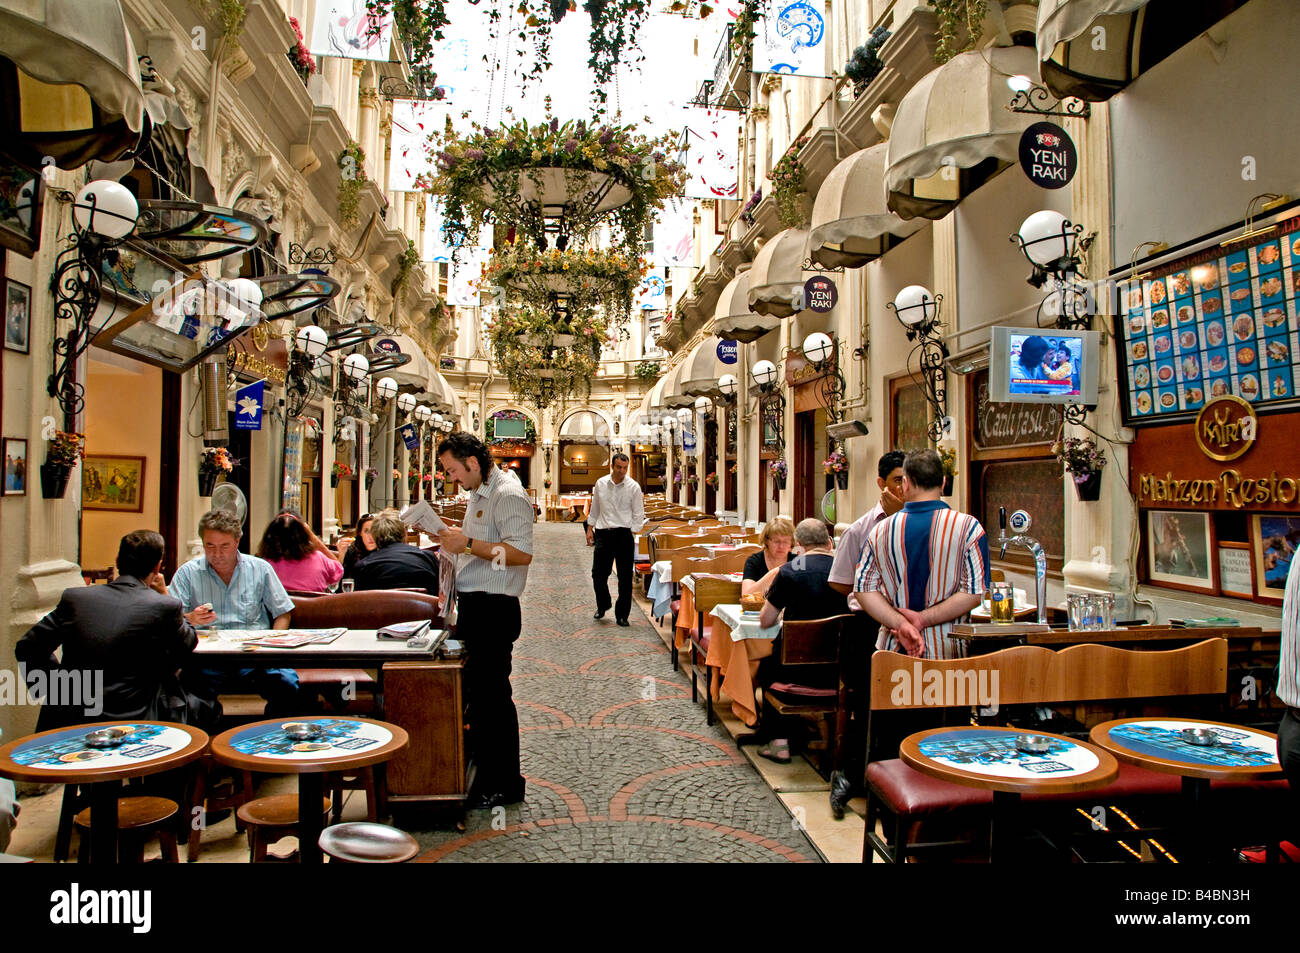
point(617, 512)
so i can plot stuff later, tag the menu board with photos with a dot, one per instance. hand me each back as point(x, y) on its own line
point(1220, 321)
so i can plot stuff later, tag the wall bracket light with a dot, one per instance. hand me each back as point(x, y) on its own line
point(918, 311)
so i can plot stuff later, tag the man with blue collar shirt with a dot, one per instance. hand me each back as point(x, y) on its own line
point(228, 589)
point(925, 568)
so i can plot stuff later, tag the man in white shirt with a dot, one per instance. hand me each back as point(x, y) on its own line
point(848, 549)
point(617, 512)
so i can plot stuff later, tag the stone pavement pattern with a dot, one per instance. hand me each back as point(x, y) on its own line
point(619, 762)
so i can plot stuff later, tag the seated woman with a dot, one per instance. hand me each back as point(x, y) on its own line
point(801, 591)
point(358, 548)
point(761, 568)
point(299, 558)
point(396, 564)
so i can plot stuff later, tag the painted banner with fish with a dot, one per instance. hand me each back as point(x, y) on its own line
point(791, 37)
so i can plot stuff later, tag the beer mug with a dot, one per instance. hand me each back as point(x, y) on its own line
point(1002, 602)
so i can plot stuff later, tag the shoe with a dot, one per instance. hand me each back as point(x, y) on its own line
point(624, 623)
point(778, 751)
point(484, 800)
point(841, 791)
point(600, 613)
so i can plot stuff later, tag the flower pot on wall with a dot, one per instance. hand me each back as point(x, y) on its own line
point(207, 481)
point(1088, 486)
point(947, 484)
point(54, 480)
point(334, 480)
point(842, 479)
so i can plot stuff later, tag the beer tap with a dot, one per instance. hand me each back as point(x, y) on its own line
point(1020, 522)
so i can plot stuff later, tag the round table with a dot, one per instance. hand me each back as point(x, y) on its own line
point(62, 756)
point(1155, 743)
point(987, 758)
point(345, 744)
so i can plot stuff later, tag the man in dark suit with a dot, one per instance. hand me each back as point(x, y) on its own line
point(395, 563)
point(123, 645)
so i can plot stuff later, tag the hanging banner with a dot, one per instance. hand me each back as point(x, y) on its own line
point(711, 146)
point(791, 38)
point(413, 121)
point(343, 28)
point(652, 295)
point(248, 407)
point(291, 492)
point(674, 238)
point(407, 433)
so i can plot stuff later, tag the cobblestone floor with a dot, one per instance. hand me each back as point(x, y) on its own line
point(619, 762)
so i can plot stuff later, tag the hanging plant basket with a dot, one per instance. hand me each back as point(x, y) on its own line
point(54, 480)
point(207, 481)
point(778, 481)
point(1088, 486)
point(947, 484)
point(842, 479)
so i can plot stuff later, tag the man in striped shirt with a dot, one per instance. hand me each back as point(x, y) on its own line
point(1288, 682)
point(925, 568)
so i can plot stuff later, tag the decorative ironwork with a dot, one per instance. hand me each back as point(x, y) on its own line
point(298, 255)
point(302, 386)
point(929, 356)
point(831, 387)
point(771, 410)
point(148, 74)
point(394, 87)
point(1076, 414)
point(810, 265)
point(1036, 101)
point(1071, 302)
point(349, 335)
point(76, 286)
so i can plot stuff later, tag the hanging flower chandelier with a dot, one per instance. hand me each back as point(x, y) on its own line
point(546, 356)
point(580, 280)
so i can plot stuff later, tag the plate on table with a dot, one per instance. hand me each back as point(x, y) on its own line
point(1185, 314)
point(1180, 284)
point(1139, 350)
point(1194, 395)
point(1142, 376)
point(1191, 369)
point(1187, 340)
point(1278, 352)
point(1270, 287)
point(1237, 267)
point(1219, 388)
point(1218, 363)
point(1269, 254)
point(1245, 356)
point(1165, 374)
point(1248, 386)
point(1214, 334)
point(1274, 317)
point(1167, 401)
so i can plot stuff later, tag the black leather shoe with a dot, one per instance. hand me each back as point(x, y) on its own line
point(600, 613)
point(624, 623)
point(841, 791)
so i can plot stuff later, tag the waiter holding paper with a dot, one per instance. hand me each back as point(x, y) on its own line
point(495, 546)
point(617, 512)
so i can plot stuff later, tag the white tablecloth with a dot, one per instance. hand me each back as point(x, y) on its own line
point(743, 627)
point(660, 593)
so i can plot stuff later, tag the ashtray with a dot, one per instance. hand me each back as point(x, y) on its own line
point(1204, 737)
point(301, 730)
point(106, 737)
point(1033, 744)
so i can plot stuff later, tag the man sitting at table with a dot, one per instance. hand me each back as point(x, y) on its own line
point(228, 589)
point(395, 563)
point(925, 568)
point(130, 630)
point(800, 591)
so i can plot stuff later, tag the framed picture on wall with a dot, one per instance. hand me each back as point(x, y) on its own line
point(18, 316)
point(15, 475)
point(1236, 570)
point(111, 482)
point(1179, 548)
point(1275, 540)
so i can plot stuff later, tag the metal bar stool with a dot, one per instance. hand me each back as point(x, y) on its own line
point(361, 842)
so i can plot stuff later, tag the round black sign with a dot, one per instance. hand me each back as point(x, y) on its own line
point(820, 294)
point(1048, 156)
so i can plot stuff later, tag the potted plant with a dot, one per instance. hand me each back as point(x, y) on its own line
point(866, 63)
point(214, 462)
point(337, 471)
point(747, 213)
point(779, 472)
point(647, 370)
point(712, 480)
point(693, 479)
point(371, 473)
point(64, 452)
point(787, 186)
point(303, 62)
point(546, 484)
point(677, 477)
point(948, 457)
point(1084, 461)
point(837, 464)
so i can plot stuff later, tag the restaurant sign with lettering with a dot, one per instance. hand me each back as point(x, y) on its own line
point(999, 424)
point(1225, 428)
point(256, 355)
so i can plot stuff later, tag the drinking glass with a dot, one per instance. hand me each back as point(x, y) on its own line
point(1002, 603)
point(347, 585)
point(1078, 609)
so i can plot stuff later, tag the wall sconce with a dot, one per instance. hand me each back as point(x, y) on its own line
point(405, 403)
point(423, 413)
point(104, 213)
point(1054, 248)
point(705, 407)
point(771, 404)
point(729, 386)
point(309, 344)
point(918, 311)
point(475, 423)
point(386, 388)
point(547, 446)
point(764, 374)
point(824, 354)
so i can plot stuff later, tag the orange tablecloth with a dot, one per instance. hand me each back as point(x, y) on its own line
point(726, 656)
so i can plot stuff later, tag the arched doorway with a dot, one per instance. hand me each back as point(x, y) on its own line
point(511, 437)
point(584, 450)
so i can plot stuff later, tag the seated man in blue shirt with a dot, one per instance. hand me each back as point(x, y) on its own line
point(231, 590)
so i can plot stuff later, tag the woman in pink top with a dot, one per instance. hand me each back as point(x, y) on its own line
point(298, 556)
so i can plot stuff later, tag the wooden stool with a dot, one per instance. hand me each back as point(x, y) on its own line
point(359, 779)
point(270, 818)
point(138, 818)
point(360, 842)
point(201, 797)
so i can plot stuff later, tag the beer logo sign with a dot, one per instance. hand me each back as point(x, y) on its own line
point(728, 351)
point(1048, 156)
point(820, 294)
point(1226, 428)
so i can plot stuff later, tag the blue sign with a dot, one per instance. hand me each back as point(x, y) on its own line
point(248, 407)
point(386, 346)
point(408, 436)
point(728, 351)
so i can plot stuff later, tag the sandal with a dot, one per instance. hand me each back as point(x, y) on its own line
point(777, 750)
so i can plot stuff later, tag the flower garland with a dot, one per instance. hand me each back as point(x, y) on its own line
point(590, 277)
point(480, 175)
point(787, 182)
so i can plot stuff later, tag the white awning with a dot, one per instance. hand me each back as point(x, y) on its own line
point(672, 395)
point(1088, 69)
point(418, 372)
point(951, 121)
point(585, 425)
point(776, 280)
point(79, 77)
point(732, 319)
point(701, 370)
point(851, 224)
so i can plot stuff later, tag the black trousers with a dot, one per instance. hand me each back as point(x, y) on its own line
point(613, 546)
point(1288, 750)
point(488, 625)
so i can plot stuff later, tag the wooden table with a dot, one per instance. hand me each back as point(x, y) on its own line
point(355, 648)
point(347, 744)
point(61, 756)
point(987, 758)
point(581, 503)
point(1154, 743)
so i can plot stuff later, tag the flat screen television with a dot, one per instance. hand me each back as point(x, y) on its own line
point(507, 427)
point(1043, 365)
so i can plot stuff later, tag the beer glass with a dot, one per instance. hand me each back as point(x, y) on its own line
point(1002, 603)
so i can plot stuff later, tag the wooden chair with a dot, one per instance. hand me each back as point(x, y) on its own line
point(138, 819)
point(809, 652)
point(94, 576)
point(708, 594)
point(902, 799)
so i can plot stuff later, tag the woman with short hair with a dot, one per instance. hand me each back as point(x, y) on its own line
point(761, 568)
